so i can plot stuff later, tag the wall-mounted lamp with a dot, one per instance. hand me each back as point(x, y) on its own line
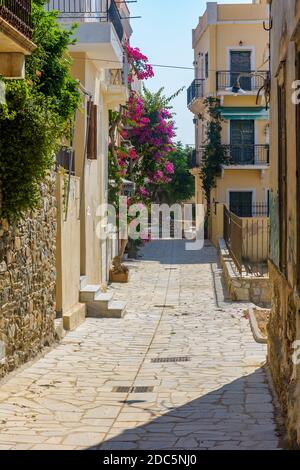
point(195, 121)
point(241, 43)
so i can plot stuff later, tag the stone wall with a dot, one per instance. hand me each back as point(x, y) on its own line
point(241, 287)
point(27, 283)
point(282, 334)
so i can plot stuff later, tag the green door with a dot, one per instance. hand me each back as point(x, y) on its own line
point(240, 203)
point(240, 62)
point(242, 139)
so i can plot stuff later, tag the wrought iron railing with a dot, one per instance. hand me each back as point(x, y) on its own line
point(194, 159)
point(89, 10)
point(18, 14)
point(226, 80)
point(196, 90)
point(259, 209)
point(247, 154)
point(244, 154)
point(247, 239)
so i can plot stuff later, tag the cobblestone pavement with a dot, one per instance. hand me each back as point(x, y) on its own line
point(217, 399)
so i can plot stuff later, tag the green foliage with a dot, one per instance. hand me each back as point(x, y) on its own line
point(214, 153)
point(36, 116)
point(182, 187)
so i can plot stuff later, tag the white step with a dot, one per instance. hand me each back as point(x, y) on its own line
point(83, 282)
point(113, 309)
point(116, 309)
point(88, 293)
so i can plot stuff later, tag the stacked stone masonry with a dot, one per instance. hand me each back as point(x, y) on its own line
point(27, 283)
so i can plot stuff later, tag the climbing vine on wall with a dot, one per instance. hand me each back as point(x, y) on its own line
point(214, 153)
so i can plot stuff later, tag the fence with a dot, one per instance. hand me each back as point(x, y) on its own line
point(89, 10)
point(246, 238)
point(18, 14)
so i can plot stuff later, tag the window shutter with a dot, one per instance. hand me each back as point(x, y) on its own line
point(92, 111)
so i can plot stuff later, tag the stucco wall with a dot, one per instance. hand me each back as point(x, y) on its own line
point(27, 282)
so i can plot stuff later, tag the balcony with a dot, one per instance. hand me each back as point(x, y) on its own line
point(195, 159)
point(118, 89)
point(15, 37)
point(226, 80)
point(100, 32)
point(195, 91)
point(247, 155)
point(256, 156)
point(18, 14)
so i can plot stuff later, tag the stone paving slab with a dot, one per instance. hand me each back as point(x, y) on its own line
point(219, 399)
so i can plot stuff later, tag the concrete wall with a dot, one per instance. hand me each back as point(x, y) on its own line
point(27, 283)
point(284, 326)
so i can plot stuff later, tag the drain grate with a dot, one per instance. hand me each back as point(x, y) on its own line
point(133, 389)
point(121, 389)
point(143, 389)
point(158, 360)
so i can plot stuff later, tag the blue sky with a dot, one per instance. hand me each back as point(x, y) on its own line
point(164, 34)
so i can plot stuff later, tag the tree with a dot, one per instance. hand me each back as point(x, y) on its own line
point(37, 115)
point(182, 186)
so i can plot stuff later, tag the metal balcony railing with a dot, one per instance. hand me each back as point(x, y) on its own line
point(196, 90)
point(18, 14)
point(259, 209)
point(195, 159)
point(247, 154)
point(89, 11)
point(227, 79)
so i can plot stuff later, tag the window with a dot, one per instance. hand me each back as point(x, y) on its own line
point(240, 62)
point(241, 202)
point(206, 65)
point(282, 177)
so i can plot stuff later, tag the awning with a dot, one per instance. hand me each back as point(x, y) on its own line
point(258, 113)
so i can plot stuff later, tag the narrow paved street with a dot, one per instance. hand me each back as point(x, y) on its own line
point(214, 397)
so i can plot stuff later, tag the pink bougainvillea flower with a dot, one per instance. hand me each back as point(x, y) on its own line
point(169, 168)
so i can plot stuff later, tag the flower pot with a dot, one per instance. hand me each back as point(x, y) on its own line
point(120, 278)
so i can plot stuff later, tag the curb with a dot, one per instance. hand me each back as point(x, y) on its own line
point(259, 338)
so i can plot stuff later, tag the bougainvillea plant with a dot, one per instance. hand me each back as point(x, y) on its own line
point(139, 64)
point(146, 129)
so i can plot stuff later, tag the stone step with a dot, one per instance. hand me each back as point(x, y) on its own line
point(116, 309)
point(83, 282)
point(113, 309)
point(74, 317)
point(88, 293)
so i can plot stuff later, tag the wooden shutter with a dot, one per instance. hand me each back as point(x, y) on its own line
point(92, 118)
point(282, 176)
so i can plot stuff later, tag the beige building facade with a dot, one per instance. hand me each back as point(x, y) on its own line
point(230, 42)
point(284, 328)
point(84, 252)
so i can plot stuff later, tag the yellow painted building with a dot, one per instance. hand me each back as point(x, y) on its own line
point(230, 43)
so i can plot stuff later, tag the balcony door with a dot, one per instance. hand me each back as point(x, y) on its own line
point(242, 140)
point(240, 62)
point(240, 203)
